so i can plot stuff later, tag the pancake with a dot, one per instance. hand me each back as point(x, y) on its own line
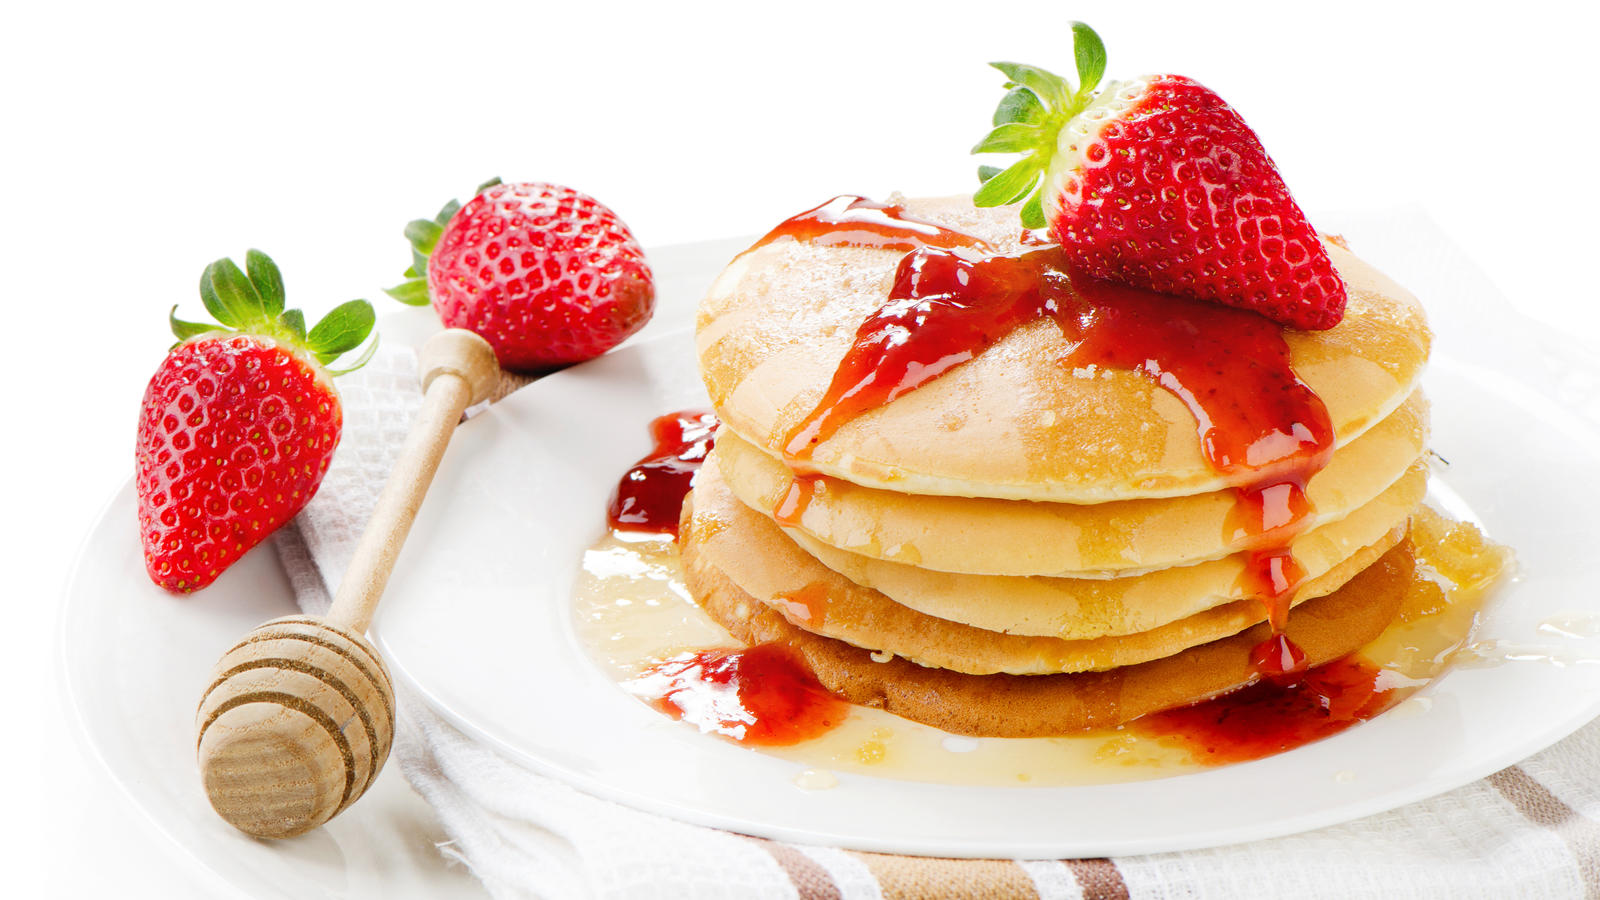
point(1079, 608)
point(751, 552)
point(1012, 423)
point(1042, 705)
point(983, 536)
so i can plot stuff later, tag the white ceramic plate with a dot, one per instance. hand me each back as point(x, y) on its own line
point(135, 660)
point(480, 623)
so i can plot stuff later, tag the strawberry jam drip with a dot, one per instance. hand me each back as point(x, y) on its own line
point(943, 310)
point(1274, 715)
point(851, 221)
point(1258, 423)
point(806, 606)
point(796, 499)
point(650, 496)
point(761, 695)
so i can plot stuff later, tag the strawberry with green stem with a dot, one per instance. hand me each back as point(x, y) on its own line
point(239, 422)
point(1158, 183)
point(546, 274)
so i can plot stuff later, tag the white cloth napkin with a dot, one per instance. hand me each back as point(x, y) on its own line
point(1532, 830)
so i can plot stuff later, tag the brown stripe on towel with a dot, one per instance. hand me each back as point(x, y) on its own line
point(811, 881)
point(912, 878)
point(1539, 806)
point(1099, 878)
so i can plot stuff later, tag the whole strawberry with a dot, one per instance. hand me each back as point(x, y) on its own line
point(238, 423)
point(546, 274)
point(1157, 183)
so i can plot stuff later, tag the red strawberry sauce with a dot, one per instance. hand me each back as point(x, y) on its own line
point(1275, 714)
point(1257, 422)
point(764, 694)
point(1256, 419)
point(650, 496)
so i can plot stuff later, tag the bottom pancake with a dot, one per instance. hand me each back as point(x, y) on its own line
point(1043, 705)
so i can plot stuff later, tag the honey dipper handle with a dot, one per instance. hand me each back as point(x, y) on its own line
point(458, 369)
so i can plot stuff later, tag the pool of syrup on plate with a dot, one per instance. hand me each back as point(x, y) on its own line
point(639, 623)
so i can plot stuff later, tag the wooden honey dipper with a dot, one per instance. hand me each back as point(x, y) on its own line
point(299, 716)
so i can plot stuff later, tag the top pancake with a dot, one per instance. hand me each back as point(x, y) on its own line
point(1012, 423)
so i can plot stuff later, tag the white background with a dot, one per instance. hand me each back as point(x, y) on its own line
point(139, 141)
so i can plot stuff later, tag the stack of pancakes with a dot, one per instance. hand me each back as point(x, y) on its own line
point(1016, 548)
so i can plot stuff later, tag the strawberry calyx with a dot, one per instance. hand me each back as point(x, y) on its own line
point(1029, 119)
point(423, 235)
point(251, 301)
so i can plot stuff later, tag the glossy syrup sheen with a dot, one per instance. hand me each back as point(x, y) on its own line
point(849, 220)
point(854, 221)
point(943, 309)
point(796, 498)
point(650, 495)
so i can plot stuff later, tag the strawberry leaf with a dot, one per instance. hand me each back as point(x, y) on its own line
point(231, 297)
point(1009, 185)
point(1018, 105)
point(363, 359)
point(486, 185)
point(1049, 87)
point(1013, 137)
point(341, 330)
point(423, 235)
point(447, 212)
point(185, 330)
point(294, 322)
point(266, 279)
point(1037, 105)
point(411, 292)
point(209, 297)
point(1089, 53)
point(1033, 211)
